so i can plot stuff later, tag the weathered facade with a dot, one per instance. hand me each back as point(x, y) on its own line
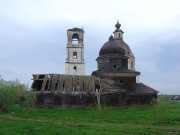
point(63, 90)
point(113, 83)
point(57, 90)
point(75, 52)
point(118, 36)
point(116, 63)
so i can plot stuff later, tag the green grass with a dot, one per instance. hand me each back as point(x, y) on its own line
point(160, 119)
point(164, 98)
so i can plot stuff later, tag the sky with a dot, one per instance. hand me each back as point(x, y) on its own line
point(33, 37)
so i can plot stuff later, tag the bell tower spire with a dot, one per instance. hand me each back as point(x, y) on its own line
point(75, 52)
point(118, 33)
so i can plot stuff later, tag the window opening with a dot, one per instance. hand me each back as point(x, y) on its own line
point(56, 86)
point(74, 69)
point(75, 39)
point(115, 66)
point(74, 55)
point(132, 66)
point(47, 84)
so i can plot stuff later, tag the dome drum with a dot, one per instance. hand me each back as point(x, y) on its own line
point(112, 63)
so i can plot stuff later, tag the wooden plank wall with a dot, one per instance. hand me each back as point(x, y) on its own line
point(58, 82)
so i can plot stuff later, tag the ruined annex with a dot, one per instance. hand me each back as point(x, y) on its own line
point(114, 83)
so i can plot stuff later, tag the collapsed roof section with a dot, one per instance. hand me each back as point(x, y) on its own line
point(86, 84)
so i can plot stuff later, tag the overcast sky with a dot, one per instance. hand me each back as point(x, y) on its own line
point(33, 36)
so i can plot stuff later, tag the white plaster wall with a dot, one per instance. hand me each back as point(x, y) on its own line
point(80, 69)
point(70, 60)
point(131, 59)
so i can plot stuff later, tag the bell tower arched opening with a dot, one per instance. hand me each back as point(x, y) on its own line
point(75, 39)
point(75, 52)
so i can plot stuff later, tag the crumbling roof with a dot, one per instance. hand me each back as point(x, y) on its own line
point(140, 89)
point(76, 29)
point(108, 86)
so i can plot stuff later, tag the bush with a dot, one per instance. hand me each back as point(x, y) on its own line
point(30, 102)
point(9, 91)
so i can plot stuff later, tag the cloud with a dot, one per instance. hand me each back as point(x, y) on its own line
point(33, 36)
point(157, 58)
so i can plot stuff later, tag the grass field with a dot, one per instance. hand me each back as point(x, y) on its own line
point(160, 119)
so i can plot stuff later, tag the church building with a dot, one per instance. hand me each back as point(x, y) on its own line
point(115, 80)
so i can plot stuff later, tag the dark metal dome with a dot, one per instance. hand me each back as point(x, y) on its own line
point(111, 47)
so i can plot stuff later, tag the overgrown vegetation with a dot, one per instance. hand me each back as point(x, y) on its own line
point(9, 91)
point(30, 101)
point(162, 118)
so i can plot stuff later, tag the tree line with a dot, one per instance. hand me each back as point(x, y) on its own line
point(10, 92)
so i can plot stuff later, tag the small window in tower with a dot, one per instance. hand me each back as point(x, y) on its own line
point(74, 55)
point(119, 35)
point(132, 65)
point(74, 69)
point(121, 81)
point(115, 66)
point(75, 39)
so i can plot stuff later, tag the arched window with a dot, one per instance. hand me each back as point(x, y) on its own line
point(74, 69)
point(75, 39)
point(115, 66)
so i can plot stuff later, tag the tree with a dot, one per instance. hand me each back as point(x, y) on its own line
point(30, 102)
point(9, 91)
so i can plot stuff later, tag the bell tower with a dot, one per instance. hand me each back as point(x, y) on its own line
point(75, 52)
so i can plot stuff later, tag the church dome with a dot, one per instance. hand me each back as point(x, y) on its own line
point(111, 47)
point(125, 46)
